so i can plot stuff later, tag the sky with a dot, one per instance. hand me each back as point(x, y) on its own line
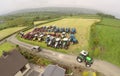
point(107, 6)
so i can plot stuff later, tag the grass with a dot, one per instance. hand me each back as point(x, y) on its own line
point(6, 47)
point(83, 29)
point(110, 22)
point(108, 40)
point(2, 26)
point(6, 32)
point(38, 22)
point(86, 16)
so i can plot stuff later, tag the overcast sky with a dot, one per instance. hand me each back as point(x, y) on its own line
point(108, 6)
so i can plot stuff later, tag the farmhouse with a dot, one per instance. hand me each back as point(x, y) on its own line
point(13, 64)
point(53, 70)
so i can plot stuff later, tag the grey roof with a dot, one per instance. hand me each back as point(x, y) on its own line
point(54, 70)
point(10, 65)
point(34, 73)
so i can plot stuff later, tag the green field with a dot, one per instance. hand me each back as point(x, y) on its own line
point(6, 47)
point(83, 29)
point(38, 22)
point(106, 40)
point(6, 32)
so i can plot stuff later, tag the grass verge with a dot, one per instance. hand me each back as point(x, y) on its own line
point(6, 47)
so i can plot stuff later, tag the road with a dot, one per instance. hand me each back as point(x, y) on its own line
point(103, 67)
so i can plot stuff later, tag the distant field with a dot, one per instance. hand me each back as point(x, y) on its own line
point(38, 22)
point(6, 47)
point(8, 31)
point(108, 40)
point(83, 29)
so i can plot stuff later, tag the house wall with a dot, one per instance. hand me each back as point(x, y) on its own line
point(20, 73)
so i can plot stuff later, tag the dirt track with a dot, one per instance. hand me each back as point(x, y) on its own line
point(103, 67)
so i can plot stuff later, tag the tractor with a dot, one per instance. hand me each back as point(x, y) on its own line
point(65, 43)
point(63, 34)
point(56, 30)
point(73, 39)
point(84, 57)
point(47, 39)
point(51, 42)
point(35, 37)
point(41, 37)
point(29, 36)
point(67, 30)
point(73, 30)
point(62, 30)
point(21, 34)
point(57, 43)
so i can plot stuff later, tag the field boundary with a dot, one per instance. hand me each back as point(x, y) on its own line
point(93, 39)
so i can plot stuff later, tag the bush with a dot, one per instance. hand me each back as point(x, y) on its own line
point(36, 59)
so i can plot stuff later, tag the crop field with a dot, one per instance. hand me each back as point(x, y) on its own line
point(4, 48)
point(8, 31)
point(108, 40)
point(83, 28)
point(38, 22)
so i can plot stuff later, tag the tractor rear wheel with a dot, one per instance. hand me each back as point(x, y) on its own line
point(79, 59)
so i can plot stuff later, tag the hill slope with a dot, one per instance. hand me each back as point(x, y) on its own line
point(65, 10)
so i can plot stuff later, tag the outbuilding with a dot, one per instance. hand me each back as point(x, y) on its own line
point(53, 70)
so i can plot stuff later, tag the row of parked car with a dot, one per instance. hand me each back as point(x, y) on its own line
point(52, 38)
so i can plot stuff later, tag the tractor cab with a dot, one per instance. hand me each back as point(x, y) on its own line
point(21, 34)
point(65, 43)
point(84, 57)
point(84, 53)
point(63, 34)
point(35, 37)
point(40, 38)
point(47, 39)
point(51, 41)
point(57, 43)
point(57, 39)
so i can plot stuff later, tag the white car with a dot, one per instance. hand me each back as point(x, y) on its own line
point(36, 48)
